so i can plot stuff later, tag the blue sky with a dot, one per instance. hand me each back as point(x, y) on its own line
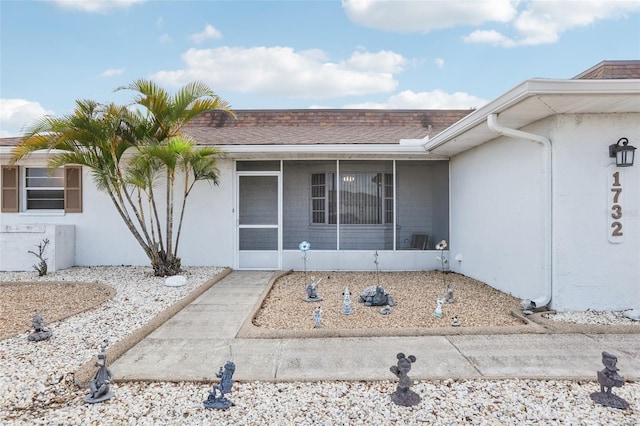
point(300, 54)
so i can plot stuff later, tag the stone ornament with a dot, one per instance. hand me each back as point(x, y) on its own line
point(317, 316)
point(40, 332)
point(403, 395)
point(216, 399)
point(346, 302)
point(608, 379)
point(438, 311)
point(99, 385)
point(376, 296)
point(312, 291)
point(455, 322)
point(448, 296)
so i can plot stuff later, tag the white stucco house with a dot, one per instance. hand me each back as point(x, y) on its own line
point(523, 189)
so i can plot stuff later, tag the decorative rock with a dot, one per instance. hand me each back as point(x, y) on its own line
point(99, 384)
point(609, 378)
point(455, 322)
point(219, 402)
point(403, 395)
point(40, 331)
point(346, 302)
point(175, 281)
point(376, 296)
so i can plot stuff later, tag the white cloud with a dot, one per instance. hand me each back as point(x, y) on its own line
point(383, 61)
point(425, 16)
point(209, 32)
point(285, 72)
point(96, 6)
point(15, 114)
point(436, 99)
point(165, 38)
point(439, 62)
point(542, 22)
point(530, 23)
point(159, 21)
point(111, 72)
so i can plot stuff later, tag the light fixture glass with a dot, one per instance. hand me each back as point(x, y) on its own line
point(622, 152)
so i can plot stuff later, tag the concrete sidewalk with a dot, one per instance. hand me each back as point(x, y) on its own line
point(193, 344)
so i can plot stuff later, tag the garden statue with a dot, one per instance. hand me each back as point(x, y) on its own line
point(99, 384)
point(438, 312)
point(376, 296)
point(403, 395)
point(455, 322)
point(317, 316)
point(448, 297)
point(40, 331)
point(346, 302)
point(312, 291)
point(225, 375)
point(609, 378)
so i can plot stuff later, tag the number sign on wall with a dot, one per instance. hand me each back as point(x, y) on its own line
point(615, 214)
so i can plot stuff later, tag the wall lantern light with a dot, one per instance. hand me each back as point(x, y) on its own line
point(623, 153)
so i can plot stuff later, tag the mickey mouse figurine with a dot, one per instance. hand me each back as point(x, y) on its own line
point(403, 395)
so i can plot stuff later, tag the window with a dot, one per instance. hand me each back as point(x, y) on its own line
point(42, 190)
point(365, 198)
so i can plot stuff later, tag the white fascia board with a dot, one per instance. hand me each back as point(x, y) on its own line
point(529, 88)
point(325, 149)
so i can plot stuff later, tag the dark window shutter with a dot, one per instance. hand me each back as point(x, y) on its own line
point(73, 189)
point(10, 189)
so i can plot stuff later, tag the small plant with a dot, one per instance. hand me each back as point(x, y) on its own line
point(375, 257)
point(41, 267)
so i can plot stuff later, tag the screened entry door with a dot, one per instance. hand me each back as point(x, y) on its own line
point(259, 219)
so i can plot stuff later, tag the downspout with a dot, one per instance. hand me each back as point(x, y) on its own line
point(492, 122)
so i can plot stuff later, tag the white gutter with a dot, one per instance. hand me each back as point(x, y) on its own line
point(492, 122)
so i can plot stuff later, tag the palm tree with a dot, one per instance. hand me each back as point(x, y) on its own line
point(131, 152)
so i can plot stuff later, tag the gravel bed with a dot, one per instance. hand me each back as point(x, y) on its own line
point(37, 387)
point(475, 303)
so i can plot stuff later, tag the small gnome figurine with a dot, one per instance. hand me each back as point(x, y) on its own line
point(455, 322)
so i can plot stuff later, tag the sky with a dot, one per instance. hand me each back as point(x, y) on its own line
point(299, 54)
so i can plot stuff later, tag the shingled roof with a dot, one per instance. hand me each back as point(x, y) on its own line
point(319, 126)
point(611, 70)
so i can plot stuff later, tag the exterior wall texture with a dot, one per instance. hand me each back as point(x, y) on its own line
point(589, 271)
point(497, 211)
point(101, 238)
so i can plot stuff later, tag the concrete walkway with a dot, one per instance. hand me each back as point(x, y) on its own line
point(198, 340)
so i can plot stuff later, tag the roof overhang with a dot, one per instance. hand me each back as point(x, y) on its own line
point(534, 100)
point(329, 151)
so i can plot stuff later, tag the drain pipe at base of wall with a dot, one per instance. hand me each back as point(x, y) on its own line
point(492, 122)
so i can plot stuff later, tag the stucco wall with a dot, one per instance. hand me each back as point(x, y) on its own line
point(497, 214)
point(497, 221)
point(589, 271)
point(17, 240)
point(101, 238)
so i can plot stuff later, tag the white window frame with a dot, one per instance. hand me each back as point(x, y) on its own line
point(25, 190)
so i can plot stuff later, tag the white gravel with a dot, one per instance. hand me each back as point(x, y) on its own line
point(36, 383)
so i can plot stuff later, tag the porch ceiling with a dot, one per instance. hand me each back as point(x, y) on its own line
point(535, 100)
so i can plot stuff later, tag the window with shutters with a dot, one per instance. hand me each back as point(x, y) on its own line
point(42, 189)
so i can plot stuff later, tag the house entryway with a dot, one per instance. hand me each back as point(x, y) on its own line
point(259, 220)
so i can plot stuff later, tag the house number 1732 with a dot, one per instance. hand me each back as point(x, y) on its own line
point(615, 207)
